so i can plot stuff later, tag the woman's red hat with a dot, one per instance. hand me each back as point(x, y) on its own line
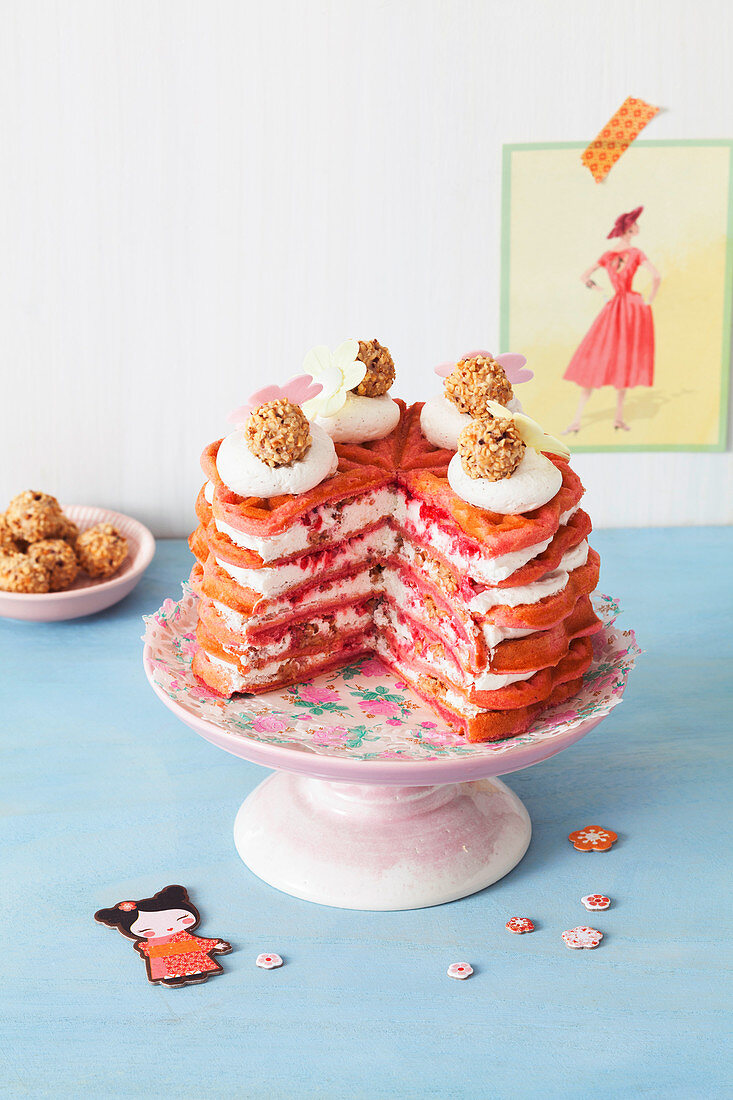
point(624, 222)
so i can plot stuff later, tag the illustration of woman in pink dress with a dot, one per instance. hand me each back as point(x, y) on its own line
point(161, 927)
point(618, 349)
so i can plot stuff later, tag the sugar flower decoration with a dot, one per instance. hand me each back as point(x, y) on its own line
point(596, 901)
point(269, 961)
point(520, 925)
point(512, 363)
point(581, 936)
point(127, 906)
point(297, 391)
point(338, 372)
point(530, 431)
point(592, 839)
point(461, 971)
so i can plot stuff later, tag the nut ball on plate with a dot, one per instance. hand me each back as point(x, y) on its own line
point(101, 550)
point(9, 544)
point(58, 559)
point(33, 515)
point(19, 573)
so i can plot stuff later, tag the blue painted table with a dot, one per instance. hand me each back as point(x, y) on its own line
point(108, 797)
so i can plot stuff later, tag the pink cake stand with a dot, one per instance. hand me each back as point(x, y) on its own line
point(368, 811)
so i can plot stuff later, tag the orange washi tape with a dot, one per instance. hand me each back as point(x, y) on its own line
point(616, 136)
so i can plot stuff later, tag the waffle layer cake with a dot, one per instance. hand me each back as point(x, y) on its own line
point(486, 616)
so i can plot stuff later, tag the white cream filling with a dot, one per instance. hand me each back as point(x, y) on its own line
point(248, 476)
point(535, 481)
point(483, 681)
point(339, 523)
point(346, 588)
point(361, 419)
point(478, 568)
point(342, 620)
point(209, 491)
point(274, 581)
point(549, 585)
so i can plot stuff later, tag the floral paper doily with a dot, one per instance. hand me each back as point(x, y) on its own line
point(363, 710)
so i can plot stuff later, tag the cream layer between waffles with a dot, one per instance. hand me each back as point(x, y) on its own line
point(486, 616)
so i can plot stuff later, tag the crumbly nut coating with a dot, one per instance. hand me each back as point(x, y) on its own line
point(68, 531)
point(278, 433)
point(19, 573)
point(474, 381)
point(101, 550)
point(8, 544)
point(33, 515)
point(59, 561)
point(490, 447)
point(379, 369)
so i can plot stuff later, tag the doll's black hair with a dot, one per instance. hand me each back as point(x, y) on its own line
point(125, 913)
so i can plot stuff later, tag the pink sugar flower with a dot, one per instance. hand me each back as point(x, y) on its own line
point(299, 389)
point(512, 363)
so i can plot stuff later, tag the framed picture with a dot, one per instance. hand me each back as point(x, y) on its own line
point(619, 293)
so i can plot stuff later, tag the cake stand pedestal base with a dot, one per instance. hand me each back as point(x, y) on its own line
point(380, 847)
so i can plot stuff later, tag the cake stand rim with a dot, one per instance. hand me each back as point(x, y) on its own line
point(400, 773)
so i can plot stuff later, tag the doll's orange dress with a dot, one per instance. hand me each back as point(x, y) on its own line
point(618, 349)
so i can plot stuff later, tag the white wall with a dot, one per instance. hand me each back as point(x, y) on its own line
point(194, 193)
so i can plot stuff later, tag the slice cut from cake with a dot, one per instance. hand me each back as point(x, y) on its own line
point(484, 612)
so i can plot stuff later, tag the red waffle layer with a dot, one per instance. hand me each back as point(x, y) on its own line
point(432, 660)
point(515, 655)
point(222, 678)
point(301, 635)
point(487, 725)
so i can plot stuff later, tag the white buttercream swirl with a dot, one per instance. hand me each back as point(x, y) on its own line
point(441, 422)
point(361, 419)
point(249, 476)
point(535, 481)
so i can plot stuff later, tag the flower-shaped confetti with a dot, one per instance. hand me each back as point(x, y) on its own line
point(520, 924)
point(582, 937)
point(270, 961)
point(592, 839)
point(512, 363)
point(461, 971)
point(596, 901)
point(338, 372)
point(530, 431)
point(299, 389)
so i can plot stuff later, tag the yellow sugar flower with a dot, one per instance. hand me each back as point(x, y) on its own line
point(531, 433)
point(338, 372)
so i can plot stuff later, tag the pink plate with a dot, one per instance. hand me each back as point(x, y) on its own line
point(361, 724)
point(86, 596)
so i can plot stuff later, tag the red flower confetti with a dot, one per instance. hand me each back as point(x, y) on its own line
point(269, 961)
point(461, 971)
point(596, 901)
point(582, 937)
point(520, 924)
point(592, 838)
